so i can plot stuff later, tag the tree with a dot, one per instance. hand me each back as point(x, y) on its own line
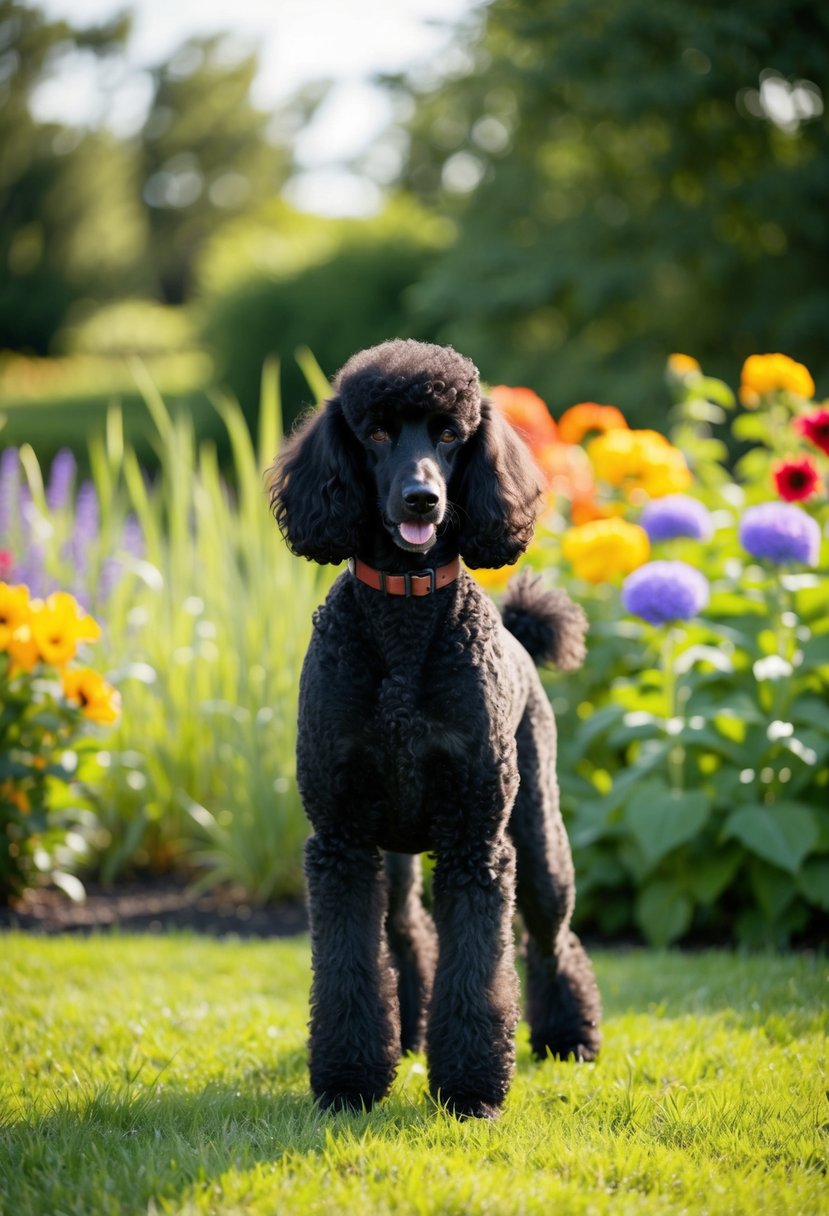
point(206, 155)
point(629, 179)
point(70, 225)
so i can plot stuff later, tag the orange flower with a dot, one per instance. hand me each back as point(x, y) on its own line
point(100, 701)
point(12, 795)
point(585, 508)
point(683, 366)
point(587, 416)
point(525, 410)
point(764, 374)
point(601, 550)
point(14, 611)
point(59, 625)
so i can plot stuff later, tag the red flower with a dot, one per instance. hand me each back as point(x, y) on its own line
point(815, 427)
point(6, 562)
point(796, 479)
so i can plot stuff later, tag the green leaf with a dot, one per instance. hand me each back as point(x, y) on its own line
point(812, 712)
point(663, 912)
point(711, 875)
point(774, 889)
point(782, 834)
point(751, 426)
point(715, 390)
point(816, 653)
point(813, 881)
point(661, 819)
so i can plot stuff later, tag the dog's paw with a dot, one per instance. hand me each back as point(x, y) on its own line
point(581, 1050)
point(340, 1101)
point(466, 1106)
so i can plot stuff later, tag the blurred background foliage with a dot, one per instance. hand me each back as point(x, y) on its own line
point(577, 190)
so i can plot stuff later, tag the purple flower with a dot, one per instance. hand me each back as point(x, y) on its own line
point(61, 477)
point(674, 516)
point(781, 533)
point(9, 489)
point(665, 591)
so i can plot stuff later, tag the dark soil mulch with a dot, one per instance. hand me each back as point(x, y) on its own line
point(157, 905)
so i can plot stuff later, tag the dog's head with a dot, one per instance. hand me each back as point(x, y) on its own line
point(406, 444)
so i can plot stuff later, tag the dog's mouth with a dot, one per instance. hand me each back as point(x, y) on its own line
point(415, 535)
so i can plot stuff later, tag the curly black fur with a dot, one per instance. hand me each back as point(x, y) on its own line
point(546, 621)
point(423, 726)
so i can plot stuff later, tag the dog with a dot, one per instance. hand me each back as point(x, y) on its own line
point(423, 727)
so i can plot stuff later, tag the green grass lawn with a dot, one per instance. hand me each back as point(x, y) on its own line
point(168, 1075)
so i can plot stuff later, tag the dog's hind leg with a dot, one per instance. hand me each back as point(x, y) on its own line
point(562, 1000)
point(413, 945)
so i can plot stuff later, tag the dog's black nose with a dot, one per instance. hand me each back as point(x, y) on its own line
point(421, 498)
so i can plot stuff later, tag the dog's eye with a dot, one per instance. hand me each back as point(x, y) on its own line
point(378, 435)
point(448, 436)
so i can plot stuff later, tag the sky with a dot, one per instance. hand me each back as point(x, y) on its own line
point(299, 41)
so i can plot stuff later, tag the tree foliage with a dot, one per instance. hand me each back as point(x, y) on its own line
point(69, 222)
point(630, 179)
point(206, 155)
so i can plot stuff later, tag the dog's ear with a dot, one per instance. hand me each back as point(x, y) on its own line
point(317, 488)
point(497, 495)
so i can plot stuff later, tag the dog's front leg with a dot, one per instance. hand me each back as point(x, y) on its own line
point(475, 1000)
point(355, 1025)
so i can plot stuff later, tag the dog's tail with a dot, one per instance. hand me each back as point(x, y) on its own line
point(545, 621)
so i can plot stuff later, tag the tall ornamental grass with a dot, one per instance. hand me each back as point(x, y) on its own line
point(206, 618)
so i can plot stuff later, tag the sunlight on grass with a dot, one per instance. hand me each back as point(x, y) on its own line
point(169, 1076)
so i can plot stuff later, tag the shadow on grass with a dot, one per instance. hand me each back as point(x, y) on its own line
point(125, 1149)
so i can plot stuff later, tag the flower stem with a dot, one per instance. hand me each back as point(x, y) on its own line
point(676, 753)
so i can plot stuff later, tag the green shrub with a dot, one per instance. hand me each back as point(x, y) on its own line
point(340, 288)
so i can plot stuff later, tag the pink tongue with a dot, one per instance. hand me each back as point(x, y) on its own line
point(416, 534)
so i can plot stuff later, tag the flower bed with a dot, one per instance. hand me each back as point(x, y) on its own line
point(693, 743)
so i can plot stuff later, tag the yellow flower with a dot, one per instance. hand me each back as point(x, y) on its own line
point(494, 580)
point(14, 611)
point(100, 701)
point(682, 366)
point(601, 550)
point(59, 625)
point(23, 650)
point(639, 460)
point(664, 471)
point(763, 374)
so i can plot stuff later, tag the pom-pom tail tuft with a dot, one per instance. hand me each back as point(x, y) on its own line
point(545, 621)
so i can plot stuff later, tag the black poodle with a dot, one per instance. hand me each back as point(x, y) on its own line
point(423, 727)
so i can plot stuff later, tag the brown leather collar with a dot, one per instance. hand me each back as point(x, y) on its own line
point(415, 582)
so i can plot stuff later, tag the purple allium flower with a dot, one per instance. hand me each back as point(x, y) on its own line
point(781, 533)
point(665, 591)
point(61, 477)
point(674, 516)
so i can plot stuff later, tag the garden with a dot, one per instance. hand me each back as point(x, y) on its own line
point(567, 194)
point(153, 627)
point(152, 632)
